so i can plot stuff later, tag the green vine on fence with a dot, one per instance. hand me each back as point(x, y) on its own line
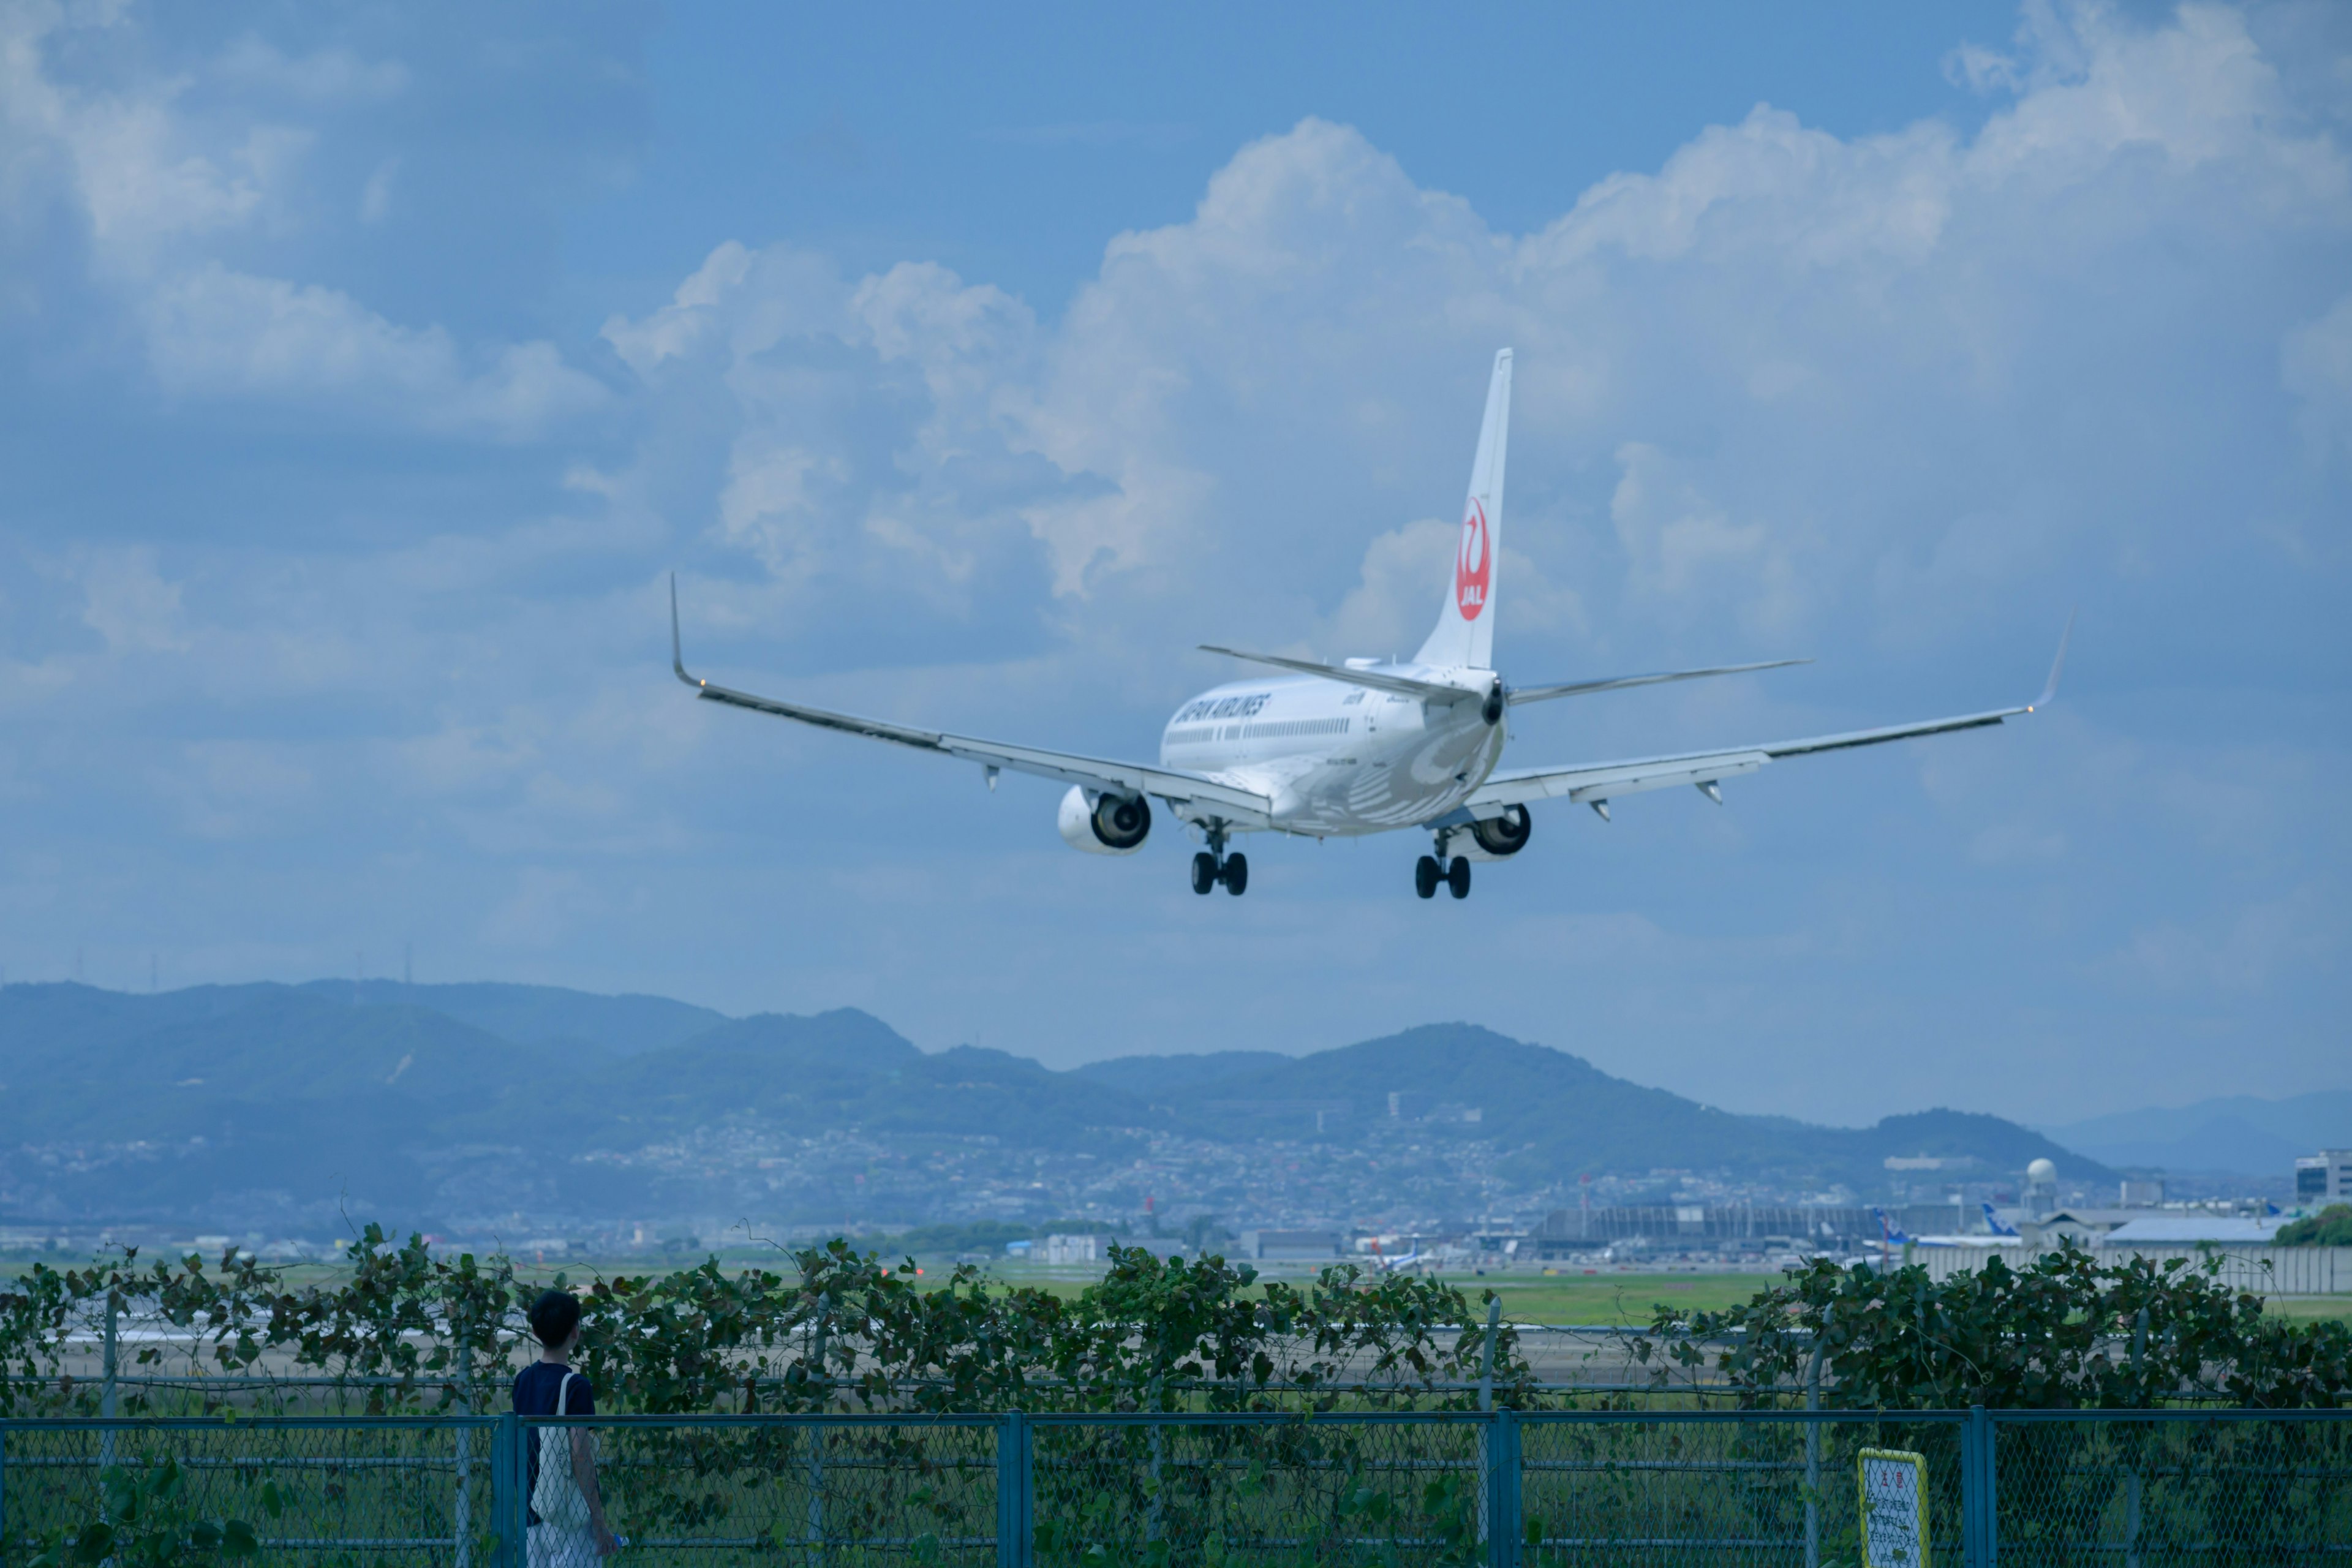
point(407, 1330)
point(2066, 1331)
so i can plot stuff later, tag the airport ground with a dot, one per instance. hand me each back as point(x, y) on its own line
point(1569, 1296)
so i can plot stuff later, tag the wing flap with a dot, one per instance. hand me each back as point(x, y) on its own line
point(1605, 781)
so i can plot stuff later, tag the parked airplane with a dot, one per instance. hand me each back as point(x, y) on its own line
point(1994, 1223)
point(2000, 1236)
point(1366, 746)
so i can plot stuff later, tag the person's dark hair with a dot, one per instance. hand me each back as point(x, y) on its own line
point(553, 1317)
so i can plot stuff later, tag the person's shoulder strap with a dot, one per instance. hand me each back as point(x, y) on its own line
point(563, 1394)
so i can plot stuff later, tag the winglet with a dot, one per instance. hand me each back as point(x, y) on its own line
point(676, 658)
point(2057, 667)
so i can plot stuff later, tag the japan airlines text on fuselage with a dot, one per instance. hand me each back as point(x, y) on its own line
point(1336, 761)
point(1367, 745)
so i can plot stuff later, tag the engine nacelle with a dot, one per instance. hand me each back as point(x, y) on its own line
point(1500, 837)
point(1104, 823)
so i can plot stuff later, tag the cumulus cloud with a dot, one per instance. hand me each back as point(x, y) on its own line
point(213, 331)
point(166, 196)
point(1784, 376)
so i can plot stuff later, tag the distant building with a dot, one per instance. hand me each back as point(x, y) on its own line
point(2324, 1178)
point(1290, 1246)
point(2041, 1188)
point(1568, 1233)
point(1072, 1249)
point(2142, 1194)
point(2191, 1230)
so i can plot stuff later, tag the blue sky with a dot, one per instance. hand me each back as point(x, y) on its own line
point(368, 368)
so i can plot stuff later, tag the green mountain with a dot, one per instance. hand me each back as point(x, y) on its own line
point(283, 1106)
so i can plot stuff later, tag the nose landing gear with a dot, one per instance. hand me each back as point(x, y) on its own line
point(1212, 866)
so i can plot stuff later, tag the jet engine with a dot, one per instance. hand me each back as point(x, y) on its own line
point(1104, 824)
point(1504, 836)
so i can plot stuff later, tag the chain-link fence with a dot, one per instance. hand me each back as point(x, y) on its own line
point(1543, 1489)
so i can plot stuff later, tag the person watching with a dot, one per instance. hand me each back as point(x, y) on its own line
point(567, 1528)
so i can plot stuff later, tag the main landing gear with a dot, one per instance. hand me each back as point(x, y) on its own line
point(1212, 866)
point(1453, 870)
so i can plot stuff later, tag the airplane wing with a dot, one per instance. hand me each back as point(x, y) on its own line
point(1596, 784)
point(1518, 694)
point(1243, 807)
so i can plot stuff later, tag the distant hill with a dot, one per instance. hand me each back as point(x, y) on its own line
point(1561, 1116)
point(1152, 1075)
point(2238, 1132)
point(288, 1104)
point(543, 1014)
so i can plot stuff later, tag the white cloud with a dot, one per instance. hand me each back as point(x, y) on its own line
point(2315, 364)
point(2245, 949)
point(375, 196)
point(332, 76)
point(1786, 376)
point(239, 789)
point(128, 602)
point(163, 194)
point(212, 330)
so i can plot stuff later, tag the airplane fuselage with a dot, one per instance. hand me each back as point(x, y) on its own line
point(1339, 760)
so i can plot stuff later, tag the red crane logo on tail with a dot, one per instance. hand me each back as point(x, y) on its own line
point(1475, 564)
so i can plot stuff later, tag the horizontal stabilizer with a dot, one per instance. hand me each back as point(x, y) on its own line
point(1378, 679)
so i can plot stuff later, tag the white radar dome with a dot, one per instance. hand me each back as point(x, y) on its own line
point(2042, 1171)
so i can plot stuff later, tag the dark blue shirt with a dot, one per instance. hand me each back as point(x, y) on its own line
point(536, 1389)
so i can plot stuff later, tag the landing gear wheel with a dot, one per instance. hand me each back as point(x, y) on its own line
point(1236, 873)
point(1426, 876)
point(1205, 872)
point(1458, 877)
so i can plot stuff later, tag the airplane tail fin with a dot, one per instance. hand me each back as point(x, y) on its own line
point(1465, 626)
point(1992, 1222)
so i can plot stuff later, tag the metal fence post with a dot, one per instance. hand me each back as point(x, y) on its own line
point(1503, 1497)
point(1813, 1460)
point(507, 1471)
point(1487, 1403)
point(462, 1505)
point(1016, 1525)
point(1978, 1507)
point(106, 1391)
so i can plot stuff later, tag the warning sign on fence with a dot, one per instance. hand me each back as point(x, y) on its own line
point(1894, 1509)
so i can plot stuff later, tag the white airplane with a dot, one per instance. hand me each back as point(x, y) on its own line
point(1364, 746)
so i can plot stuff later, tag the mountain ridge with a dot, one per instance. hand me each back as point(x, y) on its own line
point(333, 1093)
